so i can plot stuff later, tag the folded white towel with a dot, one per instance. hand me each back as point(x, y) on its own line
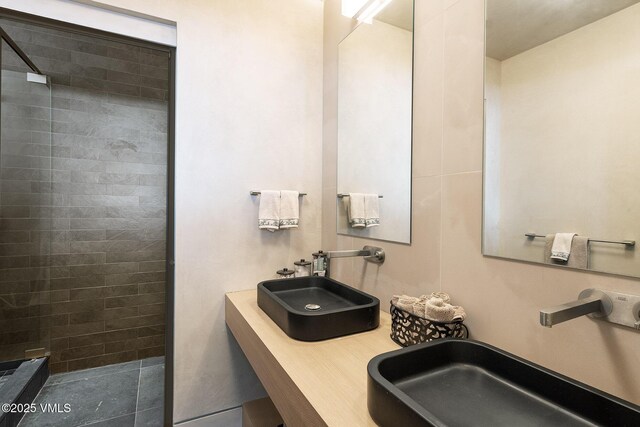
point(355, 210)
point(289, 209)
point(371, 210)
point(269, 211)
point(561, 248)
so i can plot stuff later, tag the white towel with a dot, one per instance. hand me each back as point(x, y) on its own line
point(371, 210)
point(289, 209)
point(269, 211)
point(355, 210)
point(561, 248)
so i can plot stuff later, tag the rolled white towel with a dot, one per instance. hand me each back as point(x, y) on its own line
point(435, 307)
point(438, 310)
point(459, 314)
point(442, 295)
point(404, 302)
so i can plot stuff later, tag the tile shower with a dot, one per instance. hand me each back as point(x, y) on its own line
point(82, 201)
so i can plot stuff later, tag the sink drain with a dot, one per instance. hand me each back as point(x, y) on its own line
point(312, 307)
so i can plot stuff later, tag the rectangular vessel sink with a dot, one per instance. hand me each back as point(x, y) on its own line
point(455, 382)
point(317, 308)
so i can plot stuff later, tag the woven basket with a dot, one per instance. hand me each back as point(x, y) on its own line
point(408, 329)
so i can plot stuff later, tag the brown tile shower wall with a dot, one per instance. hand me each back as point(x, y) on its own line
point(99, 296)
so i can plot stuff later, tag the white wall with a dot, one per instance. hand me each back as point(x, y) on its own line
point(374, 126)
point(248, 116)
point(568, 142)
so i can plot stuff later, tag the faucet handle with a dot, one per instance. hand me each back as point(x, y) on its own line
point(376, 254)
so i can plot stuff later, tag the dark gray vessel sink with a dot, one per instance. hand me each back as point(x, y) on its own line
point(317, 308)
point(454, 382)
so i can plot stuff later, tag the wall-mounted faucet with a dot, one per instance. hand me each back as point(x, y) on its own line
point(593, 302)
point(370, 253)
point(614, 307)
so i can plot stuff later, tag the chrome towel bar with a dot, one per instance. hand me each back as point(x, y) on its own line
point(627, 243)
point(257, 193)
point(343, 195)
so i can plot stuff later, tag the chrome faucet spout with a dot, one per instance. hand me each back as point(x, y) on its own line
point(595, 303)
point(346, 254)
point(369, 253)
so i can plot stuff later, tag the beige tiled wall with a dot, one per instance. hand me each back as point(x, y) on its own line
point(502, 298)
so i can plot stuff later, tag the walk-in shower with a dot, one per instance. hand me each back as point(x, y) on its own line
point(84, 125)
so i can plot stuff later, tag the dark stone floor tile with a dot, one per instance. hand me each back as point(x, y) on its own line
point(93, 399)
point(151, 361)
point(123, 421)
point(151, 393)
point(150, 418)
point(93, 372)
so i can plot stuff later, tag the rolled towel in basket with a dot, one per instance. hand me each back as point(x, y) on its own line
point(442, 295)
point(419, 306)
point(433, 307)
point(459, 314)
point(405, 302)
point(439, 311)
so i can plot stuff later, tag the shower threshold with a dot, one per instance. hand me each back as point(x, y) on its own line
point(20, 382)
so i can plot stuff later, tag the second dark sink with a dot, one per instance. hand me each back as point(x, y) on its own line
point(317, 308)
point(454, 382)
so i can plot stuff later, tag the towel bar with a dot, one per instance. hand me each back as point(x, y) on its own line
point(627, 243)
point(257, 193)
point(343, 195)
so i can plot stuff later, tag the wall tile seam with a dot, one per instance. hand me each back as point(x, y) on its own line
point(426, 175)
point(476, 171)
point(106, 102)
point(442, 149)
point(93, 58)
point(146, 74)
point(143, 76)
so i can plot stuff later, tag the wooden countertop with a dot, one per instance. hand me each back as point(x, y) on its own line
point(320, 383)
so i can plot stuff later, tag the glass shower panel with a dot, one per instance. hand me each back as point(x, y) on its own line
point(26, 211)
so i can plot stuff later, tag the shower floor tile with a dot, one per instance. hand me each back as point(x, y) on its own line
point(123, 395)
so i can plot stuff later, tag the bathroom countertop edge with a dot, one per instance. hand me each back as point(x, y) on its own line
point(310, 383)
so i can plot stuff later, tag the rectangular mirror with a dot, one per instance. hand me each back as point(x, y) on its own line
point(562, 102)
point(375, 78)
